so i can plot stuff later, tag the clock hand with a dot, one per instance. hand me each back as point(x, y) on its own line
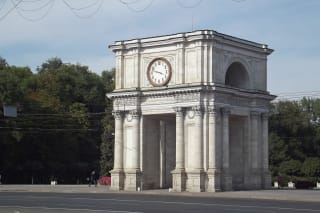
point(158, 72)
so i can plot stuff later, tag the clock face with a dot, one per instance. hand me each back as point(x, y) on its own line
point(159, 72)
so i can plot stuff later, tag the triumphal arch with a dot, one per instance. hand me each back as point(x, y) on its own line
point(191, 113)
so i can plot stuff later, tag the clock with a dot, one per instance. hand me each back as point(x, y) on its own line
point(159, 72)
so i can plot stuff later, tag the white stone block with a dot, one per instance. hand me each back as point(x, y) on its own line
point(291, 185)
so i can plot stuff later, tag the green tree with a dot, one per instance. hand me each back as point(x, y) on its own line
point(294, 134)
point(311, 167)
point(290, 168)
point(107, 145)
point(58, 128)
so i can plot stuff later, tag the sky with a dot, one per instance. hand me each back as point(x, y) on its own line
point(79, 31)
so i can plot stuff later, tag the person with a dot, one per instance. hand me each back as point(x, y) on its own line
point(0, 179)
point(93, 179)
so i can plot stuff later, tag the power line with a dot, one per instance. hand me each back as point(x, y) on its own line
point(48, 6)
point(129, 5)
point(32, 6)
point(15, 5)
point(42, 129)
point(98, 4)
point(189, 6)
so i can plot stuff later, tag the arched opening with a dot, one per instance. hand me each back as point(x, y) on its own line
point(237, 76)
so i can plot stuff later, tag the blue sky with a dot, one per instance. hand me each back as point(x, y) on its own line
point(290, 27)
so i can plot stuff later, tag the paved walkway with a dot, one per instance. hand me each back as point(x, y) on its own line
point(275, 194)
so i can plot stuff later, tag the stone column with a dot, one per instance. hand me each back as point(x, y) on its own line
point(132, 172)
point(178, 175)
point(266, 175)
point(226, 176)
point(117, 172)
point(255, 173)
point(195, 171)
point(214, 170)
point(163, 151)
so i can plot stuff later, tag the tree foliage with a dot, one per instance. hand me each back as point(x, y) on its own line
point(107, 137)
point(311, 167)
point(61, 116)
point(294, 138)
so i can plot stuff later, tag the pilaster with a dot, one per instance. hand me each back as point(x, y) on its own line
point(178, 175)
point(266, 175)
point(132, 171)
point(117, 172)
point(226, 176)
point(214, 170)
point(195, 173)
point(255, 171)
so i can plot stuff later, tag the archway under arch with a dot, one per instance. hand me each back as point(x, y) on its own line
point(237, 76)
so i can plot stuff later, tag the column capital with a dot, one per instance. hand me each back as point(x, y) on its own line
point(197, 110)
point(254, 113)
point(265, 116)
point(117, 114)
point(226, 110)
point(135, 113)
point(179, 111)
point(212, 110)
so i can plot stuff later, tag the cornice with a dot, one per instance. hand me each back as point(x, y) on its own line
point(191, 89)
point(200, 35)
point(223, 89)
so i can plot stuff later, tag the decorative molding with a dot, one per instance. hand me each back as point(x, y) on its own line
point(254, 114)
point(117, 114)
point(212, 110)
point(135, 113)
point(226, 111)
point(265, 116)
point(126, 101)
point(198, 110)
point(200, 35)
point(187, 97)
point(179, 111)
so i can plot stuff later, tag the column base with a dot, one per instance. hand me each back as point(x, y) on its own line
point(117, 180)
point(132, 180)
point(226, 181)
point(214, 180)
point(195, 181)
point(256, 179)
point(179, 180)
point(266, 179)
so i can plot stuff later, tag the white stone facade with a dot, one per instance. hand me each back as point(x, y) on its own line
point(206, 129)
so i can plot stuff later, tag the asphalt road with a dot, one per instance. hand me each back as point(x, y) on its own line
point(29, 202)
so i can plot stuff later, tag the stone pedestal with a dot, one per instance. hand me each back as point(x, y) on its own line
point(196, 181)
point(255, 182)
point(226, 181)
point(117, 180)
point(266, 180)
point(179, 180)
point(214, 180)
point(132, 180)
